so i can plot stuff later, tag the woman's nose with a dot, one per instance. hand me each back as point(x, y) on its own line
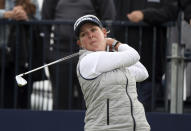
point(90, 34)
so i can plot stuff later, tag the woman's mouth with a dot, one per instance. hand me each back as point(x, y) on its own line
point(93, 42)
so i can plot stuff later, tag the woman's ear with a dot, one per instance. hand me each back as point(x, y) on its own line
point(79, 43)
point(104, 32)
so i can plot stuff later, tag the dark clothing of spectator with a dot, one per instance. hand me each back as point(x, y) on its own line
point(16, 57)
point(25, 48)
point(167, 12)
point(63, 74)
point(144, 42)
point(185, 5)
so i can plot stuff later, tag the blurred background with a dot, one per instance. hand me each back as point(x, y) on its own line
point(160, 31)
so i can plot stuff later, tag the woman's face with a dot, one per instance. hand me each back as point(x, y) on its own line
point(92, 37)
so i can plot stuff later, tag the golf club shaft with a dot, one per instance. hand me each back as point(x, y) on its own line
point(52, 63)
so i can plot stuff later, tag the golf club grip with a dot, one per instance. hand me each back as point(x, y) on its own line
point(52, 63)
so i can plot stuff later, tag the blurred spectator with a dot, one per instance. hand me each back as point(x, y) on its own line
point(125, 7)
point(165, 14)
point(64, 44)
point(16, 46)
point(5, 11)
point(5, 5)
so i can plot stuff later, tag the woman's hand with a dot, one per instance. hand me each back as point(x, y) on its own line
point(19, 13)
point(110, 42)
point(136, 16)
point(8, 14)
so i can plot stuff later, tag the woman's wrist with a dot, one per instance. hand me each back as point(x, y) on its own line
point(8, 14)
point(117, 45)
point(113, 44)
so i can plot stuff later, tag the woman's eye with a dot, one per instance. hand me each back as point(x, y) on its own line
point(93, 29)
point(82, 34)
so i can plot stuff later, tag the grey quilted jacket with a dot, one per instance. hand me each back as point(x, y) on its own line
point(111, 101)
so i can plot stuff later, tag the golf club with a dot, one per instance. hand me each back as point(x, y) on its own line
point(22, 82)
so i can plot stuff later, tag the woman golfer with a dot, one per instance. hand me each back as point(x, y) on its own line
point(108, 79)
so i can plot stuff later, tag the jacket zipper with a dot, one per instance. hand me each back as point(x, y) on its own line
point(107, 111)
point(134, 124)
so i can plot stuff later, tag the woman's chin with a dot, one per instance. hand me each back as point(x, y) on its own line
point(96, 49)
